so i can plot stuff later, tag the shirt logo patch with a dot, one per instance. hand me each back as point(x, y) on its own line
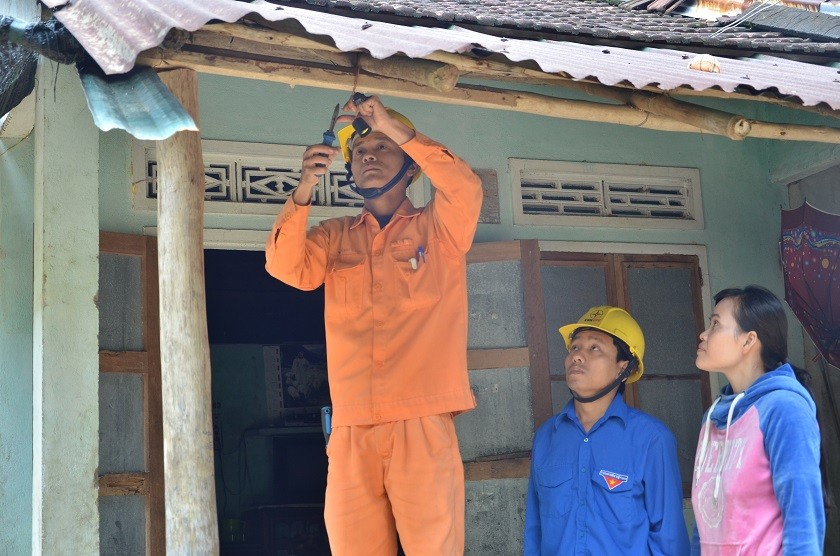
point(612, 478)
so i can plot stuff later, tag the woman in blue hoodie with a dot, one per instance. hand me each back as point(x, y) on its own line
point(757, 486)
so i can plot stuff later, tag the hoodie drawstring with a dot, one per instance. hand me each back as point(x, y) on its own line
point(726, 442)
point(701, 459)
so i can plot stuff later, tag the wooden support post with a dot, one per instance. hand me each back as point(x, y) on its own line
point(184, 349)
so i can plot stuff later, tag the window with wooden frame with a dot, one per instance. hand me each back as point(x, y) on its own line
point(663, 293)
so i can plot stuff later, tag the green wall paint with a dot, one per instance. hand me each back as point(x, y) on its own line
point(791, 161)
point(16, 219)
point(17, 171)
point(741, 205)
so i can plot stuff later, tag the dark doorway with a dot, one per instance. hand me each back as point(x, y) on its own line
point(246, 305)
point(268, 366)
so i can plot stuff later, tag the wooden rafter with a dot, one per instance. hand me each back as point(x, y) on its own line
point(231, 36)
point(665, 114)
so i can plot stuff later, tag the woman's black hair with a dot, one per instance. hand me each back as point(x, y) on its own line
point(757, 309)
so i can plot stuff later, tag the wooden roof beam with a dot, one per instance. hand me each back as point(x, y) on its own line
point(430, 73)
point(231, 34)
point(689, 116)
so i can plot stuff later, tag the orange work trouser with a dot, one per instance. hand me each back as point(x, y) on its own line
point(401, 477)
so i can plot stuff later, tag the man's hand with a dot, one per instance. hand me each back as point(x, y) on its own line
point(315, 163)
point(377, 117)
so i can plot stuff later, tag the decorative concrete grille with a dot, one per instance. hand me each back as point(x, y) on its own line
point(540, 196)
point(254, 178)
point(217, 182)
point(648, 201)
point(267, 184)
point(569, 193)
point(339, 192)
point(239, 181)
point(543, 195)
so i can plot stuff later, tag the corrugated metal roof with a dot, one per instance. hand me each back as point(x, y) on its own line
point(114, 33)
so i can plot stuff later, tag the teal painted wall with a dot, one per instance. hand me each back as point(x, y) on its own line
point(741, 205)
point(17, 170)
point(741, 202)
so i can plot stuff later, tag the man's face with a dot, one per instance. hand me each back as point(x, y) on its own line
point(376, 159)
point(591, 364)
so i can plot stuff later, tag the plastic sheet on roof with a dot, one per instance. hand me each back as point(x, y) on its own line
point(137, 102)
point(18, 76)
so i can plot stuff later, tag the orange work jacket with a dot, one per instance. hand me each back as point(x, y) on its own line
point(396, 335)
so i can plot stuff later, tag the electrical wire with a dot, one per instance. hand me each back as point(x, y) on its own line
point(243, 478)
point(752, 12)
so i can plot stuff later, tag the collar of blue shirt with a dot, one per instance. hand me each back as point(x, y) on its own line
point(617, 409)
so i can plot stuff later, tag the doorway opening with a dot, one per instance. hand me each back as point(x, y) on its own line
point(269, 381)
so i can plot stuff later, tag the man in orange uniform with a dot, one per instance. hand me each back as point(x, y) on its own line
point(396, 323)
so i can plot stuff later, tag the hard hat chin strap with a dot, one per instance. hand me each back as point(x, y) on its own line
point(374, 192)
point(628, 370)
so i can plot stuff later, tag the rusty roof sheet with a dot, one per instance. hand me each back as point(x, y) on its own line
point(114, 33)
point(603, 19)
point(715, 9)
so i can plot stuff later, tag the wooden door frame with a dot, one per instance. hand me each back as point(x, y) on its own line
point(150, 483)
point(534, 355)
point(672, 261)
point(615, 266)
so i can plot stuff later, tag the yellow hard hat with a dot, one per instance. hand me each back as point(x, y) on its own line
point(614, 321)
point(346, 134)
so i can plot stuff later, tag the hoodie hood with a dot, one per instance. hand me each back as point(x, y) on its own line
point(781, 378)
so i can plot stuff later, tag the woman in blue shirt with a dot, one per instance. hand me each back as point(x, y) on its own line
point(757, 487)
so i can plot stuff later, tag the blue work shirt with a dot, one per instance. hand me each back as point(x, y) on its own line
point(613, 490)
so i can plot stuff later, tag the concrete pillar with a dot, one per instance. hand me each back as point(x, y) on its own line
point(792, 161)
point(65, 518)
